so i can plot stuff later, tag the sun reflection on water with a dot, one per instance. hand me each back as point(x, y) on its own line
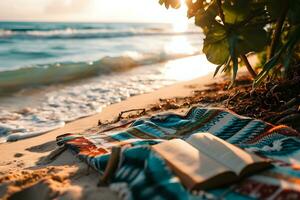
point(180, 45)
point(188, 68)
point(180, 21)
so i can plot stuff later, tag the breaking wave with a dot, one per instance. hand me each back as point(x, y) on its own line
point(70, 33)
point(14, 80)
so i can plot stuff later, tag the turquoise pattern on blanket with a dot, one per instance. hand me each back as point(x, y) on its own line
point(147, 176)
point(144, 175)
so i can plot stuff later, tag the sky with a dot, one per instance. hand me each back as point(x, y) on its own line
point(88, 11)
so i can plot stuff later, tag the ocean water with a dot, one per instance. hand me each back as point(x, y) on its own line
point(53, 73)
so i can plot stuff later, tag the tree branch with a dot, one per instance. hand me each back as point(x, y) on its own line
point(278, 28)
point(247, 64)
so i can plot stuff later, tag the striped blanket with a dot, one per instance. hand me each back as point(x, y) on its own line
point(142, 174)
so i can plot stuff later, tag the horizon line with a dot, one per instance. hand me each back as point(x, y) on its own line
point(84, 21)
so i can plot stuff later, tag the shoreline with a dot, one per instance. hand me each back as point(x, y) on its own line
point(30, 114)
point(23, 160)
point(25, 169)
point(108, 113)
point(35, 168)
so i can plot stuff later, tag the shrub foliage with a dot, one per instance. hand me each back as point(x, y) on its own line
point(235, 28)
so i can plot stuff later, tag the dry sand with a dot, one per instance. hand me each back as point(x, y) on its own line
point(24, 174)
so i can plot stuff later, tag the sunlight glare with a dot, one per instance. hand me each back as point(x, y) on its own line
point(188, 68)
point(180, 21)
point(180, 45)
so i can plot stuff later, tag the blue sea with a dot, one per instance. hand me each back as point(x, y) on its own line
point(53, 73)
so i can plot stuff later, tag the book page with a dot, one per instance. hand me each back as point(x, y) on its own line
point(192, 166)
point(230, 155)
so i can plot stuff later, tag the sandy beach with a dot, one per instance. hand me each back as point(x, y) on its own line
point(188, 100)
point(23, 168)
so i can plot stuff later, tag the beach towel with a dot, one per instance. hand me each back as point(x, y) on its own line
point(142, 174)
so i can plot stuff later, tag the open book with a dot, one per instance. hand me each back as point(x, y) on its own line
point(205, 161)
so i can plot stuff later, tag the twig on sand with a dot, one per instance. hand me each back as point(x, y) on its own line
point(111, 167)
point(131, 110)
point(232, 98)
point(120, 116)
point(117, 126)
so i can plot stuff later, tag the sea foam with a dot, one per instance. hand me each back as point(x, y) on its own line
point(16, 79)
point(72, 102)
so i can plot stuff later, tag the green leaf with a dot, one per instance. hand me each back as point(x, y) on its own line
point(235, 11)
point(293, 40)
point(194, 8)
point(288, 58)
point(290, 45)
point(234, 71)
point(267, 67)
point(216, 52)
point(206, 18)
point(173, 3)
point(219, 66)
point(274, 8)
point(216, 46)
point(234, 57)
point(294, 11)
point(217, 69)
point(251, 39)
